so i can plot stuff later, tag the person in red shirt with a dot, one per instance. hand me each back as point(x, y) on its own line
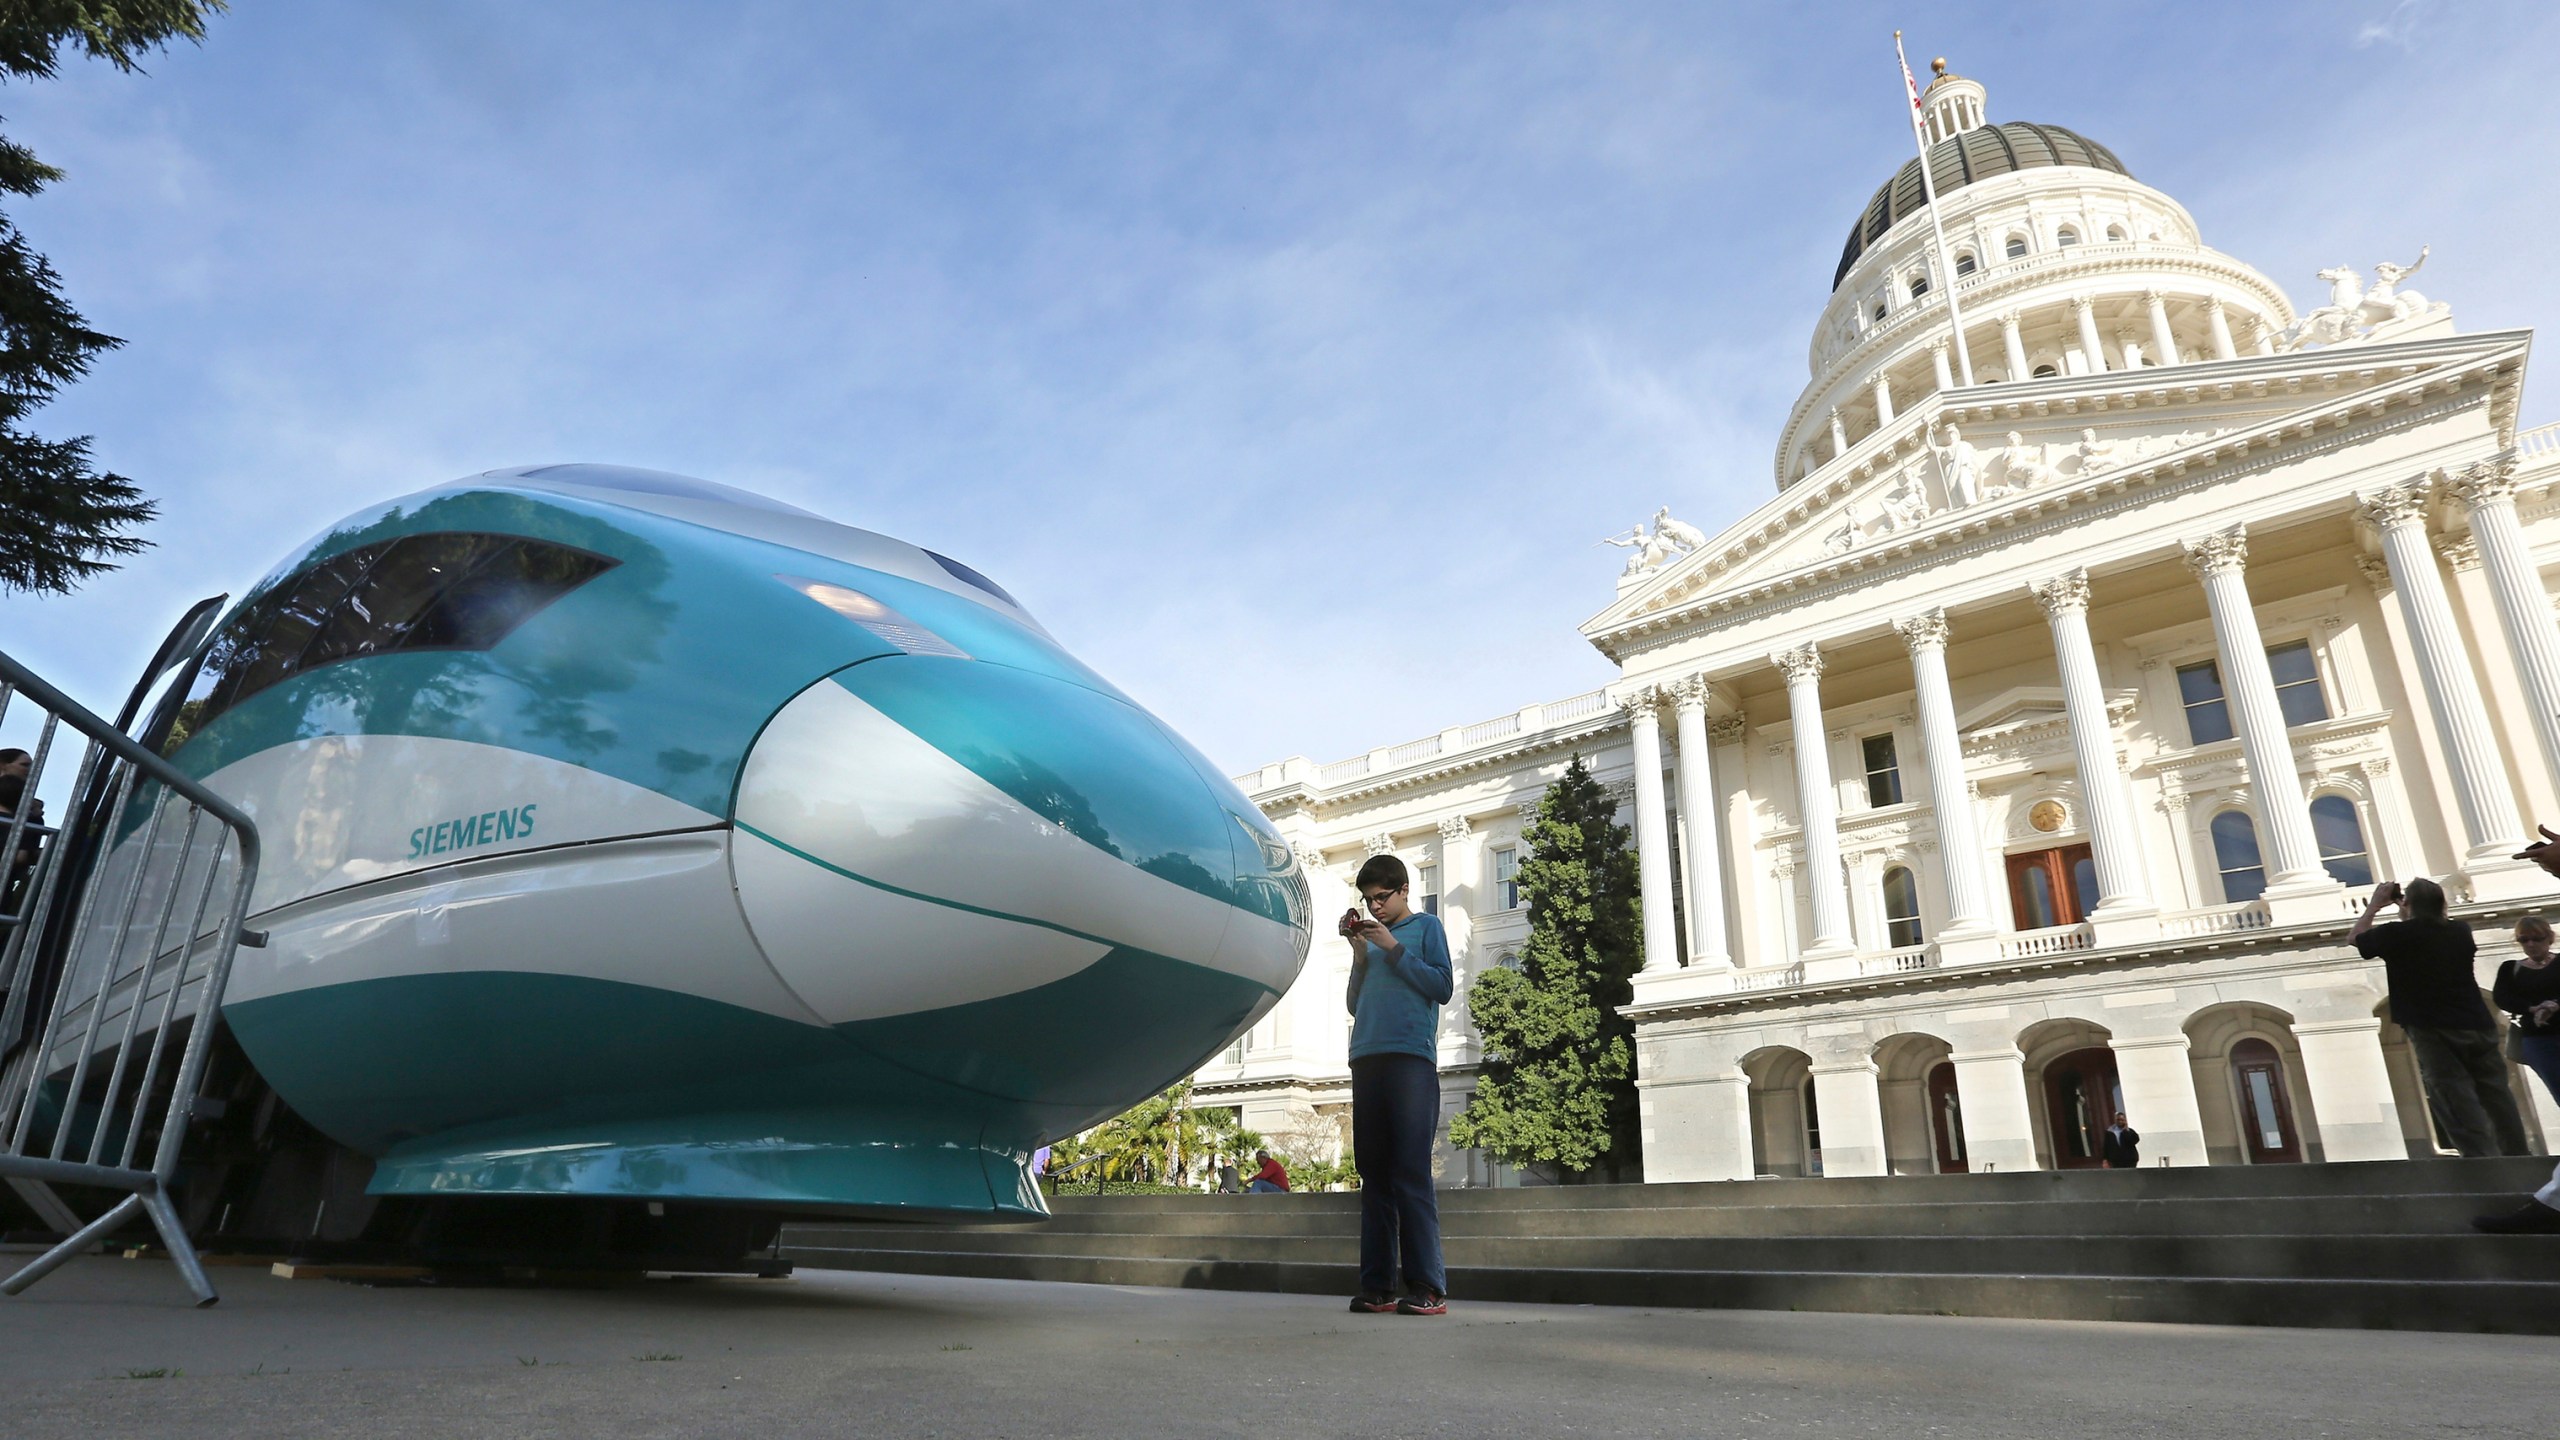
point(1270, 1179)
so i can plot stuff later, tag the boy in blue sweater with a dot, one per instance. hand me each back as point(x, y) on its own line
point(1400, 977)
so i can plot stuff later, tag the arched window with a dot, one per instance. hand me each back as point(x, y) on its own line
point(1901, 908)
point(1965, 264)
point(2115, 232)
point(1919, 285)
point(2341, 836)
point(2235, 854)
point(2066, 236)
point(2016, 247)
point(1879, 312)
point(2045, 370)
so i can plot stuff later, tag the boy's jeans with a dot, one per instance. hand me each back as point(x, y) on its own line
point(1395, 1116)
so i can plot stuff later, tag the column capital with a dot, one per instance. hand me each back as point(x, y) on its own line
point(2213, 304)
point(1640, 701)
point(1939, 347)
point(1689, 692)
point(2224, 552)
point(1379, 844)
point(2010, 319)
point(1726, 731)
point(1800, 664)
point(2068, 591)
point(2485, 483)
point(2376, 572)
point(2395, 504)
point(2153, 297)
point(1454, 829)
point(2082, 305)
point(1310, 858)
point(2462, 552)
point(1924, 631)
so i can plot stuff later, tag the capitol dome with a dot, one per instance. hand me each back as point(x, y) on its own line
point(1960, 160)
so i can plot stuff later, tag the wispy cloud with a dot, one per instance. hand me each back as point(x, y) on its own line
point(2396, 27)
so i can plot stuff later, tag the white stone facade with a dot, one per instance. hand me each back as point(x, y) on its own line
point(2029, 751)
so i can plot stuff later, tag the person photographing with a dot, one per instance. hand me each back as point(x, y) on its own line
point(2427, 961)
point(1400, 977)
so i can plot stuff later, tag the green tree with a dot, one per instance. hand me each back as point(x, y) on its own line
point(61, 521)
point(1558, 1088)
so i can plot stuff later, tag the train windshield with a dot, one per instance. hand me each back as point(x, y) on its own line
point(449, 590)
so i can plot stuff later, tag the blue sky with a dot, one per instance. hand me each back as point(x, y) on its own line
point(1287, 360)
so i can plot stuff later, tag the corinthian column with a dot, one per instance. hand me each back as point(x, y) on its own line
point(2480, 790)
point(1959, 852)
point(2115, 844)
point(2488, 492)
point(1817, 806)
point(1705, 851)
point(2220, 324)
point(2161, 339)
point(1653, 842)
point(2085, 313)
point(2283, 817)
point(2013, 346)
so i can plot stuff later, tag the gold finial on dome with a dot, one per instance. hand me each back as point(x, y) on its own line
point(1938, 66)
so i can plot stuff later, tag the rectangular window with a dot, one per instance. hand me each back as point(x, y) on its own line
point(2200, 691)
point(1884, 773)
point(1506, 876)
point(2297, 683)
point(1427, 880)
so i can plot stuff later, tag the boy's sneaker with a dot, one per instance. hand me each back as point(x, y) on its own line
point(1370, 1302)
point(1423, 1302)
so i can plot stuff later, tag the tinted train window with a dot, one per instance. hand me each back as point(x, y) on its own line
point(449, 591)
point(967, 576)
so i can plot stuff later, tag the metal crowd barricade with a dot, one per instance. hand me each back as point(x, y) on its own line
point(105, 954)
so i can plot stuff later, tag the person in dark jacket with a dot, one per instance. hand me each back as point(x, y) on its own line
point(2122, 1145)
point(2529, 989)
point(2435, 1000)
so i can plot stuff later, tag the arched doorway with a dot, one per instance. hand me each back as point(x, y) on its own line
point(2267, 1133)
point(1784, 1132)
point(2081, 1095)
point(1946, 1119)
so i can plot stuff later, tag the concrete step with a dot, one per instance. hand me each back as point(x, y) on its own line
point(2351, 1214)
point(2384, 1245)
point(2361, 1257)
point(2510, 1307)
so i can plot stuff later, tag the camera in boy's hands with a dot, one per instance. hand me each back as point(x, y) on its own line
point(1351, 923)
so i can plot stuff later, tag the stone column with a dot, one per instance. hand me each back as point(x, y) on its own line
point(2220, 324)
point(1653, 842)
point(1938, 367)
point(2350, 1087)
point(2294, 871)
point(1852, 1109)
point(1968, 908)
point(2114, 842)
point(1884, 400)
point(2163, 342)
point(1705, 850)
point(2488, 492)
point(1695, 1128)
point(2129, 349)
point(2264, 337)
point(2012, 346)
point(1991, 1091)
point(2488, 806)
point(2160, 1097)
point(1839, 436)
point(2084, 312)
point(1461, 882)
point(1816, 803)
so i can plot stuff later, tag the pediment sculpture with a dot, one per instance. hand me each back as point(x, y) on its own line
point(2356, 312)
point(1657, 544)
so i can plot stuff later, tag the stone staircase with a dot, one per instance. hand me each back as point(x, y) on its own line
point(2381, 1246)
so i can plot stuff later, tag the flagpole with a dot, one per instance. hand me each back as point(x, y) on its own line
point(1929, 190)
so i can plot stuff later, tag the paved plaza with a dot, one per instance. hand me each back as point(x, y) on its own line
point(838, 1354)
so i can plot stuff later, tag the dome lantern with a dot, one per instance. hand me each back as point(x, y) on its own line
point(1951, 105)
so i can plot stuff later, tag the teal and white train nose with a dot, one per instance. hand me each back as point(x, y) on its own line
point(1011, 882)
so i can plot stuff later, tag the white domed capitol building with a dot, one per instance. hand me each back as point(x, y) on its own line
point(2113, 626)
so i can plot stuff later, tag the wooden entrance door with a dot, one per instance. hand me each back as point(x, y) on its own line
point(2081, 1094)
point(1946, 1119)
point(2052, 887)
point(2266, 1115)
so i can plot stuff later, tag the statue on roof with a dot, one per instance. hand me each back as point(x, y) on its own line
point(1665, 540)
point(2357, 313)
point(1960, 467)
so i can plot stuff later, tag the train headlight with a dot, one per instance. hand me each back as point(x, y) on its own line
point(875, 615)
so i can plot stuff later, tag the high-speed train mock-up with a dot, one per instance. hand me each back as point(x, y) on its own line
point(636, 837)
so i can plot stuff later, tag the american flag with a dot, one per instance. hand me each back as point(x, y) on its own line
point(1910, 86)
